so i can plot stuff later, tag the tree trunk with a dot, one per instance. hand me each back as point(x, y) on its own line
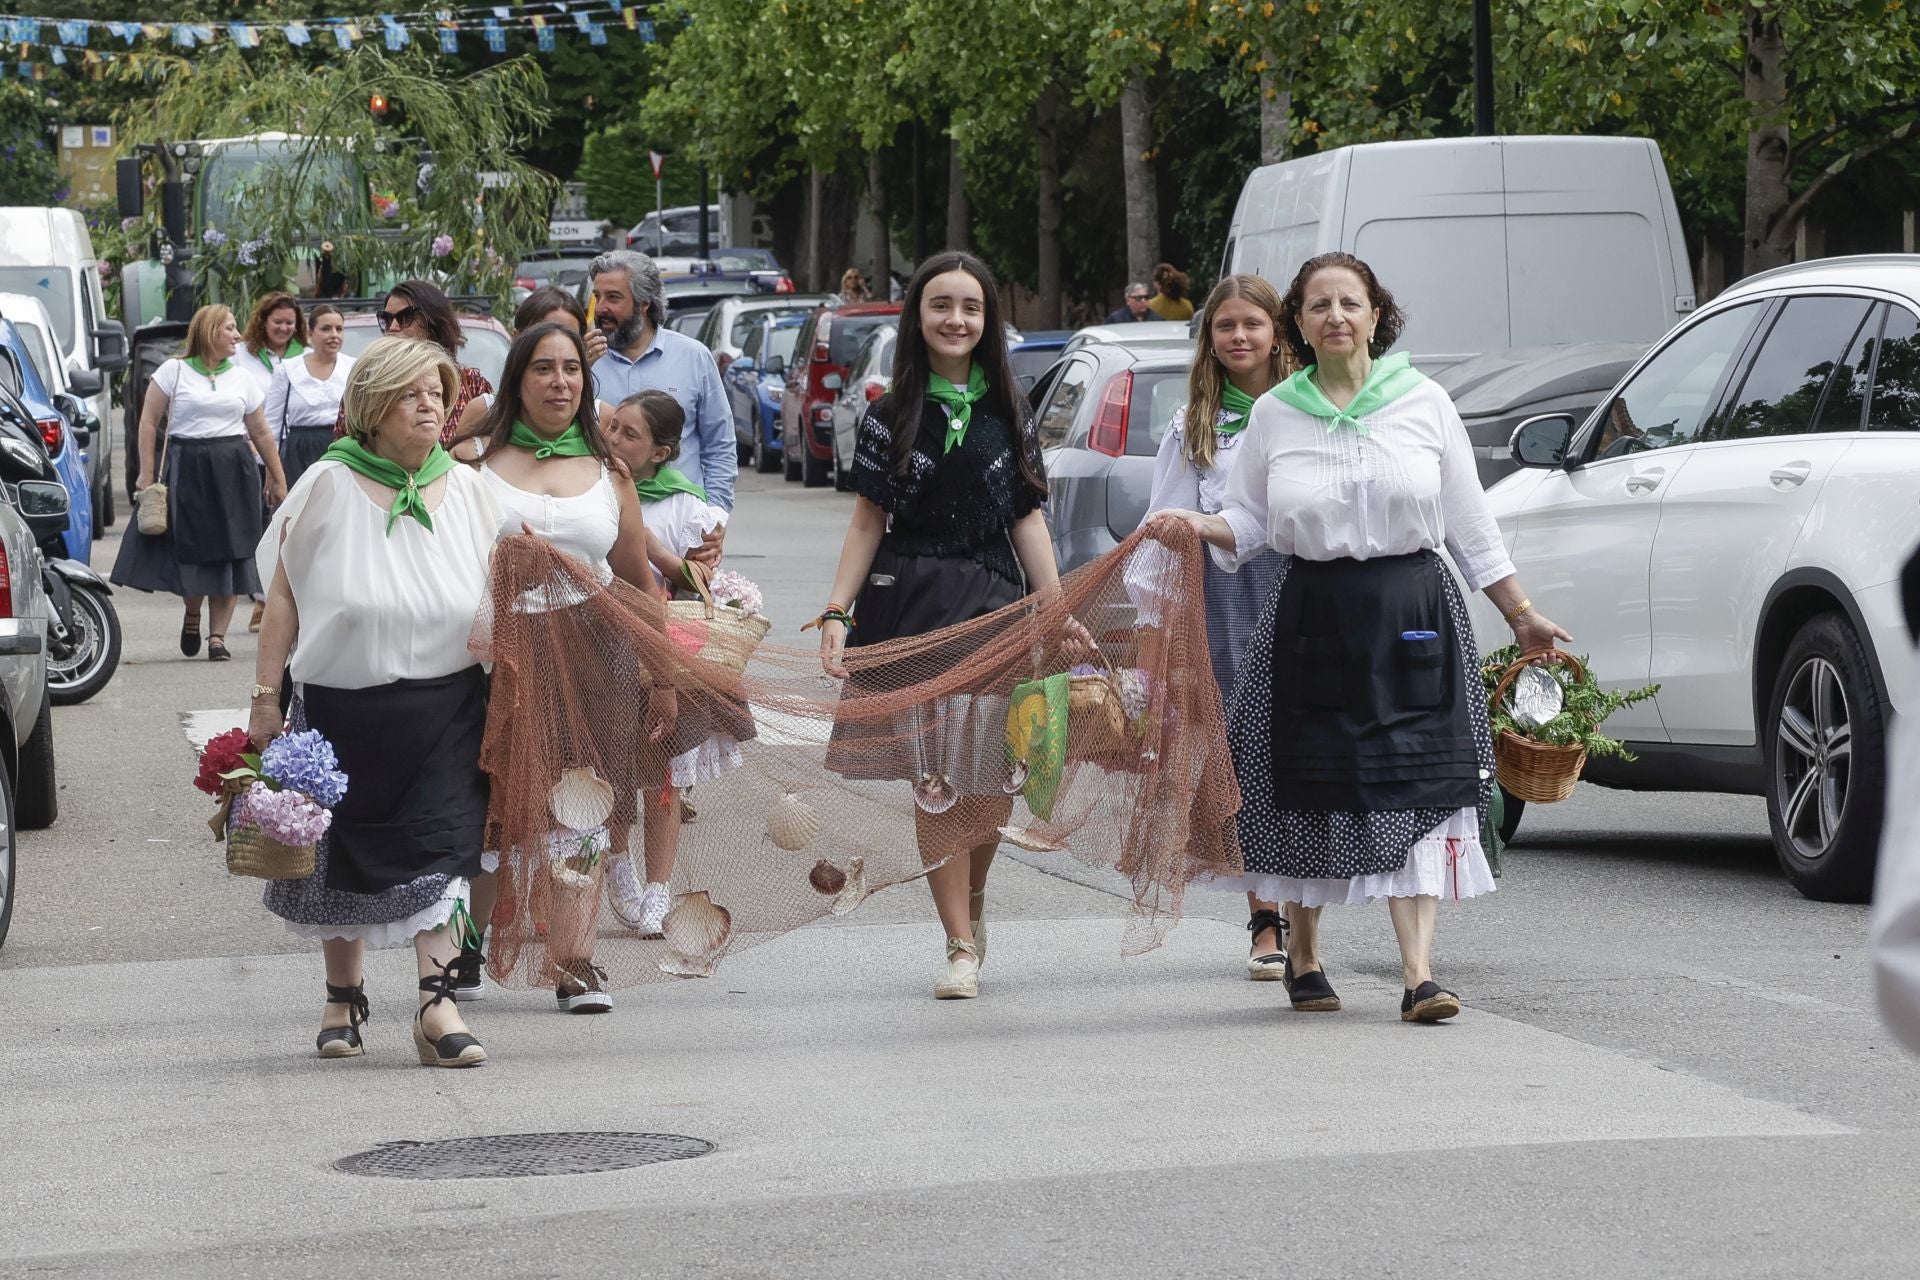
point(1769, 234)
point(882, 276)
point(1046, 120)
point(816, 226)
point(959, 211)
point(1136, 167)
point(1276, 116)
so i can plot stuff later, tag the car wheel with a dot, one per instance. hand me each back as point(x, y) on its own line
point(104, 514)
point(814, 472)
point(1512, 807)
point(9, 883)
point(37, 802)
point(1825, 742)
point(765, 460)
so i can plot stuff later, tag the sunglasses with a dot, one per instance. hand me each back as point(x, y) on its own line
point(1136, 297)
point(397, 319)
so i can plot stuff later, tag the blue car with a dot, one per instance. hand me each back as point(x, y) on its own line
point(1034, 353)
point(18, 373)
point(754, 381)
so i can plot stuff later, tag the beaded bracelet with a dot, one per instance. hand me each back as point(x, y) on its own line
point(832, 613)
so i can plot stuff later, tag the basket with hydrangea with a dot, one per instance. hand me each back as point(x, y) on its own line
point(726, 620)
point(274, 806)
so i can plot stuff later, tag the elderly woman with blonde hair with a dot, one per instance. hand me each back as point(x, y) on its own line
point(378, 565)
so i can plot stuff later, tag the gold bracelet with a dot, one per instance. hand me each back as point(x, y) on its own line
point(1519, 611)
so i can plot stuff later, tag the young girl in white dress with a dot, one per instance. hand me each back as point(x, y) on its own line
point(644, 433)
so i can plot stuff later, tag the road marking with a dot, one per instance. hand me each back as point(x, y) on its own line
point(202, 727)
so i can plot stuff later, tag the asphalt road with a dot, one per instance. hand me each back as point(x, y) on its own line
point(1670, 1064)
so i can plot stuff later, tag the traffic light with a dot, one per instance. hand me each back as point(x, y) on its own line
point(377, 104)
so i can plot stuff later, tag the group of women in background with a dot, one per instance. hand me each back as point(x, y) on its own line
point(1324, 475)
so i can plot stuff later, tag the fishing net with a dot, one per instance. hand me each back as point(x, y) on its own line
point(1081, 725)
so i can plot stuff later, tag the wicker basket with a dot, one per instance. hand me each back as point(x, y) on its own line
point(252, 852)
point(731, 634)
point(1537, 772)
point(1096, 722)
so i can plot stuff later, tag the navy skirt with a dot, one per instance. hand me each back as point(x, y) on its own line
point(214, 524)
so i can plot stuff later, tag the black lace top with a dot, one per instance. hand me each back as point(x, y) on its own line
point(961, 504)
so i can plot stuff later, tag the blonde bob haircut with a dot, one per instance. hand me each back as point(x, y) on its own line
point(1208, 375)
point(386, 372)
point(203, 329)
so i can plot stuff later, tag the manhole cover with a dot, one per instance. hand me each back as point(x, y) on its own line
point(521, 1155)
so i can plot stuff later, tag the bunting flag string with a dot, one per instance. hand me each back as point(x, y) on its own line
point(78, 41)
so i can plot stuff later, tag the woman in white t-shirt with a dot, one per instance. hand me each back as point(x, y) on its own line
point(303, 399)
point(214, 408)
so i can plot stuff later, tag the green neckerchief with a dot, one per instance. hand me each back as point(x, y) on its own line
point(1236, 410)
point(959, 402)
point(1388, 380)
point(200, 366)
point(571, 443)
point(665, 483)
point(407, 484)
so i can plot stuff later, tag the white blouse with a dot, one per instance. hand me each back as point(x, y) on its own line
point(681, 521)
point(204, 406)
point(1177, 485)
point(1409, 484)
point(295, 398)
point(378, 607)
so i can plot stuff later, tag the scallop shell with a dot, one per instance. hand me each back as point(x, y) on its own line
point(935, 793)
point(1031, 840)
point(854, 891)
point(827, 878)
point(1017, 778)
point(697, 930)
point(792, 823)
point(581, 800)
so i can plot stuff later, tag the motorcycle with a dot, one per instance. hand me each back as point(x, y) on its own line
point(83, 629)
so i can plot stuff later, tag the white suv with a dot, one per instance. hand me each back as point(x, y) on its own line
point(1731, 523)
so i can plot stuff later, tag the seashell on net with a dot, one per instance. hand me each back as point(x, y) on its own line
point(581, 800)
point(792, 823)
point(826, 878)
point(697, 930)
point(1031, 840)
point(1017, 778)
point(935, 793)
point(854, 891)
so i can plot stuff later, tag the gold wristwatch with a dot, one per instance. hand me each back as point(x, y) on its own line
point(265, 691)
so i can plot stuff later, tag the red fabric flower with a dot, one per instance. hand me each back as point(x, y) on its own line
point(222, 756)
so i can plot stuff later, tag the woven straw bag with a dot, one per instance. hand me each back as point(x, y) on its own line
point(252, 852)
point(732, 634)
point(1537, 772)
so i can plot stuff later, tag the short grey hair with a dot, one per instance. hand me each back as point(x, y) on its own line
point(643, 278)
point(1141, 285)
point(387, 370)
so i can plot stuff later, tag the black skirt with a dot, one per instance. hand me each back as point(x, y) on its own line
point(1370, 698)
point(214, 523)
point(416, 801)
point(302, 448)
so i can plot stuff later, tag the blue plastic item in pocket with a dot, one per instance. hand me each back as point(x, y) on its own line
point(1419, 635)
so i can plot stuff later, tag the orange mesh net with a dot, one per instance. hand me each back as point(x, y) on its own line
point(818, 792)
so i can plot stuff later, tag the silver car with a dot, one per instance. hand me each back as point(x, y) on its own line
point(29, 795)
point(724, 329)
point(1102, 411)
point(868, 378)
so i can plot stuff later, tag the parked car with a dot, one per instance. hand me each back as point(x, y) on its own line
point(1159, 333)
point(1730, 524)
point(760, 265)
point(754, 383)
point(562, 267)
point(32, 401)
point(29, 790)
point(674, 231)
point(867, 380)
point(486, 348)
point(828, 344)
point(1101, 412)
point(727, 323)
point(1498, 391)
point(1484, 242)
point(1034, 353)
point(75, 393)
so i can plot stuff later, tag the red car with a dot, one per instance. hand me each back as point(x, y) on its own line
point(829, 340)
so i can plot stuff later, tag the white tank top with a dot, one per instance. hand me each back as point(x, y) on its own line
point(585, 526)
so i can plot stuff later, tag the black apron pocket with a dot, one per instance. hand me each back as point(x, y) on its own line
point(1420, 671)
point(1319, 676)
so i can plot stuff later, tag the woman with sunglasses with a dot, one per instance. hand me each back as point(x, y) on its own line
point(418, 309)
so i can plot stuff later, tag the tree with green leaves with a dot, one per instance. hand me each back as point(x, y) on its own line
point(30, 174)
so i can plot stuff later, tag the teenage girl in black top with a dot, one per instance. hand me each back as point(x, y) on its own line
point(946, 527)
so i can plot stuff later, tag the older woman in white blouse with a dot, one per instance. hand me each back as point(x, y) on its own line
point(1364, 760)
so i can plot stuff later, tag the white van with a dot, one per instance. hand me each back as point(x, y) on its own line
point(48, 254)
point(1486, 243)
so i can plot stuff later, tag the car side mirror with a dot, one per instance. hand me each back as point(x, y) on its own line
point(776, 365)
point(832, 382)
point(76, 415)
point(86, 382)
point(43, 505)
point(1543, 441)
point(109, 347)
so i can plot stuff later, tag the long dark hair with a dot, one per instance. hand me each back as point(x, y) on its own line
point(496, 424)
point(436, 312)
point(907, 395)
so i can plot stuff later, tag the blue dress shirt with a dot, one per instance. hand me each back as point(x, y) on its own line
point(685, 370)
